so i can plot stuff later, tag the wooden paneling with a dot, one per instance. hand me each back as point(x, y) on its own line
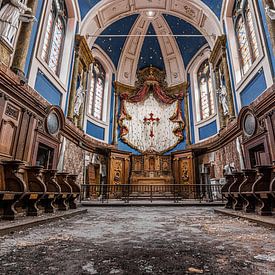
point(119, 168)
point(184, 167)
point(151, 168)
point(8, 129)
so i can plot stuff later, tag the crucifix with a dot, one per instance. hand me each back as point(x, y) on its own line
point(151, 121)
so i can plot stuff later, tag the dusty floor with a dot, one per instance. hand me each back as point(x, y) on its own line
point(141, 241)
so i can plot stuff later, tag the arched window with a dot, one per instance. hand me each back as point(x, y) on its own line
point(97, 85)
point(206, 96)
point(246, 35)
point(55, 35)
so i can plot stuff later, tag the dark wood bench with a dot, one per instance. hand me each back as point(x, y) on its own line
point(66, 191)
point(272, 188)
point(234, 190)
point(14, 189)
point(245, 190)
point(53, 189)
point(225, 191)
point(36, 190)
point(71, 179)
point(261, 190)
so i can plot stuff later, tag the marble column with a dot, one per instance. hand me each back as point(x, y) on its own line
point(73, 85)
point(228, 86)
point(23, 43)
point(82, 107)
point(270, 23)
point(186, 114)
point(115, 137)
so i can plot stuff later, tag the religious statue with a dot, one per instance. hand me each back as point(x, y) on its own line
point(10, 15)
point(79, 99)
point(223, 99)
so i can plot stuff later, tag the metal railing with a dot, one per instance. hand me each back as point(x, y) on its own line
point(150, 192)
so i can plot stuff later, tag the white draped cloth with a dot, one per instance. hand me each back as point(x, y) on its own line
point(139, 133)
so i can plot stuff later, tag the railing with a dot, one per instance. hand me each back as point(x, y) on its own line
point(174, 192)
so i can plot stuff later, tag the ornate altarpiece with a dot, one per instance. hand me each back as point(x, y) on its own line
point(151, 122)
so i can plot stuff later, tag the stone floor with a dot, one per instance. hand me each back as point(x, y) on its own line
point(141, 240)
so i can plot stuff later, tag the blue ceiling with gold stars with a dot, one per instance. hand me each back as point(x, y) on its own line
point(86, 5)
point(188, 46)
point(151, 53)
point(114, 45)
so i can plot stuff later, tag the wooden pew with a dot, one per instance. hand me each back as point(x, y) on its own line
point(71, 179)
point(66, 190)
point(272, 188)
point(15, 189)
point(36, 190)
point(53, 189)
point(245, 190)
point(225, 191)
point(261, 190)
point(234, 190)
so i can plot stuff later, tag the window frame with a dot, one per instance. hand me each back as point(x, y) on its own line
point(64, 21)
point(208, 77)
point(95, 76)
point(239, 12)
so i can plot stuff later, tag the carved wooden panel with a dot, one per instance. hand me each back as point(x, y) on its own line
point(270, 125)
point(184, 168)
point(93, 176)
point(119, 168)
point(8, 128)
point(151, 169)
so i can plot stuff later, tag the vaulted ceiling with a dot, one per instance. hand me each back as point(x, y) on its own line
point(150, 33)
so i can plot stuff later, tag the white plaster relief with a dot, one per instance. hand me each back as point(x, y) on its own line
point(145, 4)
point(188, 10)
point(130, 54)
point(110, 11)
point(171, 53)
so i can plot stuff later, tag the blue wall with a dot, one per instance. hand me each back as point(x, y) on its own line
point(33, 37)
point(255, 88)
point(267, 36)
point(95, 131)
point(208, 130)
point(45, 88)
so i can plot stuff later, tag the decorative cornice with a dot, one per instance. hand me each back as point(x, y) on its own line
point(218, 49)
point(83, 50)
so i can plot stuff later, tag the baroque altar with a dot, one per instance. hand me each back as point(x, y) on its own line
point(151, 168)
point(152, 123)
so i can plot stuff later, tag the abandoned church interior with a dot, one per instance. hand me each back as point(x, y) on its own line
point(134, 103)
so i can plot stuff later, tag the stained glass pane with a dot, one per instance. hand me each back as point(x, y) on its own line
point(206, 91)
point(91, 99)
point(54, 36)
point(47, 39)
point(243, 45)
point(56, 45)
point(97, 91)
point(252, 33)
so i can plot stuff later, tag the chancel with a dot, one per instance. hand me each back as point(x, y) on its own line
point(128, 102)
